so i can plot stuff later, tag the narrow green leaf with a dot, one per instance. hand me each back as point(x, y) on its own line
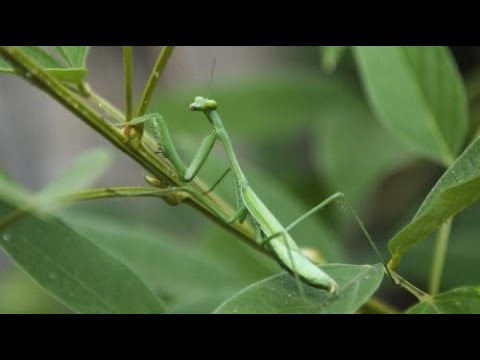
point(74, 75)
point(41, 56)
point(465, 300)
point(14, 194)
point(82, 172)
point(458, 188)
point(279, 294)
point(76, 56)
point(418, 93)
point(73, 269)
point(330, 57)
point(37, 54)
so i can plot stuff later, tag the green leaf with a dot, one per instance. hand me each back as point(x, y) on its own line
point(204, 306)
point(279, 294)
point(19, 294)
point(330, 57)
point(465, 300)
point(458, 188)
point(418, 93)
point(82, 172)
point(14, 194)
point(338, 130)
point(41, 57)
point(175, 271)
point(227, 252)
point(76, 56)
point(74, 75)
point(73, 269)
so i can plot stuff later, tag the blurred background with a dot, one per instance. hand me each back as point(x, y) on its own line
point(301, 134)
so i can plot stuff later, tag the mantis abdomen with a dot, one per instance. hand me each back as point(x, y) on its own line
point(283, 246)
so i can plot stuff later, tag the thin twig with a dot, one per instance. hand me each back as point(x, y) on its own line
point(155, 75)
point(439, 254)
point(128, 74)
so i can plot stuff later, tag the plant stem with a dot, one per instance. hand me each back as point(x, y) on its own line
point(439, 254)
point(405, 284)
point(116, 114)
point(111, 110)
point(111, 192)
point(128, 74)
point(155, 75)
point(158, 167)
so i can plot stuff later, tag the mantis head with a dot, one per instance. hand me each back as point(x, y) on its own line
point(203, 104)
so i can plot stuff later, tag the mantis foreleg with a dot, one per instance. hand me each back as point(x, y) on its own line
point(166, 145)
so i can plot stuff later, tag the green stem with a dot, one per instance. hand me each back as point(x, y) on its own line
point(101, 103)
point(405, 284)
point(128, 74)
point(157, 167)
point(112, 192)
point(439, 254)
point(117, 115)
point(155, 75)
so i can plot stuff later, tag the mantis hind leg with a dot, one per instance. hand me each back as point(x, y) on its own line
point(396, 278)
point(328, 201)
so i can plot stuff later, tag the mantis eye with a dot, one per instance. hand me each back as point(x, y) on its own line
point(211, 104)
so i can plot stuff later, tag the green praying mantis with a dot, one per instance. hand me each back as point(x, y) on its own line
point(270, 233)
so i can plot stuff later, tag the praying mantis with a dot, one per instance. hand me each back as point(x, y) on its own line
point(270, 233)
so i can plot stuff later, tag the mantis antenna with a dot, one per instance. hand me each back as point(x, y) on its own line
point(211, 77)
